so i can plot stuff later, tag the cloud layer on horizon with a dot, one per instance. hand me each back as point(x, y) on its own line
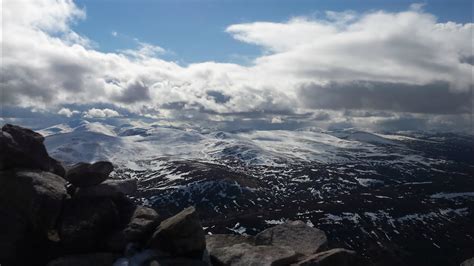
point(391, 65)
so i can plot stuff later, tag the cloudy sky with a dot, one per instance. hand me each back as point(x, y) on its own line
point(387, 65)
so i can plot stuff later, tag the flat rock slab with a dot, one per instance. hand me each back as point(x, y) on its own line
point(469, 262)
point(177, 262)
point(14, 237)
point(245, 254)
point(296, 235)
point(86, 174)
point(142, 224)
point(223, 240)
point(180, 235)
point(333, 257)
point(92, 259)
point(36, 195)
point(109, 188)
point(85, 224)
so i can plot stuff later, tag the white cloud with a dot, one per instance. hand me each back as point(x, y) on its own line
point(100, 113)
point(67, 112)
point(46, 64)
point(144, 50)
point(277, 120)
point(417, 6)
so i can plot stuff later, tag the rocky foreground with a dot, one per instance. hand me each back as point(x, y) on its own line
point(78, 216)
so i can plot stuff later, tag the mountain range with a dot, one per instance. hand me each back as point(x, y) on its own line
point(398, 198)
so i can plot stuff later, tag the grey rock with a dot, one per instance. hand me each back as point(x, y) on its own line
point(142, 224)
point(468, 262)
point(116, 242)
point(109, 188)
point(177, 262)
point(57, 168)
point(92, 259)
point(86, 174)
point(223, 240)
point(180, 235)
point(30, 204)
point(24, 148)
point(296, 235)
point(245, 254)
point(35, 195)
point(86, 223)
point(333, 257)
point(15, 238)
point(138, 229)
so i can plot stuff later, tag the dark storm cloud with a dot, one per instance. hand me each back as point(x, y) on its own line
point(402, 123)
point(218, 97)
point(19, 82)
point(467, 59)
point(174, 105)
point(134, 92)
point(434, 98)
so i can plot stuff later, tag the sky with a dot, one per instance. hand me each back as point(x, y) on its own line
point(195, 30)
point(384, 65)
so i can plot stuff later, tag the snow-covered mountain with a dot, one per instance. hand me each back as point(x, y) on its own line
point(374, 192)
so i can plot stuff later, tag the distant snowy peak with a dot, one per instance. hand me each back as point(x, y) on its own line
point(79, 126)
point(56, 129)
point(86, 141)
point(96, 127)
point(364, 137)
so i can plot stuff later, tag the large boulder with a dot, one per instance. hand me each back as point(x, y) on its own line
point(333, 257)
point(177, 262)
point(139, 226)
point(92, 259)
point(15, 237)
point(297, 235)
point(86, 174)
point(24, 148)
point(223, 240)
point(142, 224)
point(468, 262)
point(245, 254)
point(109, 189)
point(180, 235)
point(30, 204)
point(86, 223)
point(35, 195)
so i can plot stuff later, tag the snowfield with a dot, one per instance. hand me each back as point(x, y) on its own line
point(371, 191)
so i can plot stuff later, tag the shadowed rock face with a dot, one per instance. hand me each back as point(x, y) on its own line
point(142, 224)
point(30, 203)
point(296, 235)
point(86, 174)
point(23, 148)
point(37, 195)
point(222, 240)
point(109, 188)
point(86, 223)
point(469, 262)
point(337, 256)
point(94, 259)
point(177, 262)
point(180, 235)
point(245, 254)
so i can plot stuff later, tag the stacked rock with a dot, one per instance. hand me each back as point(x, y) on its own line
point(49, 212)
point(291, 243)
